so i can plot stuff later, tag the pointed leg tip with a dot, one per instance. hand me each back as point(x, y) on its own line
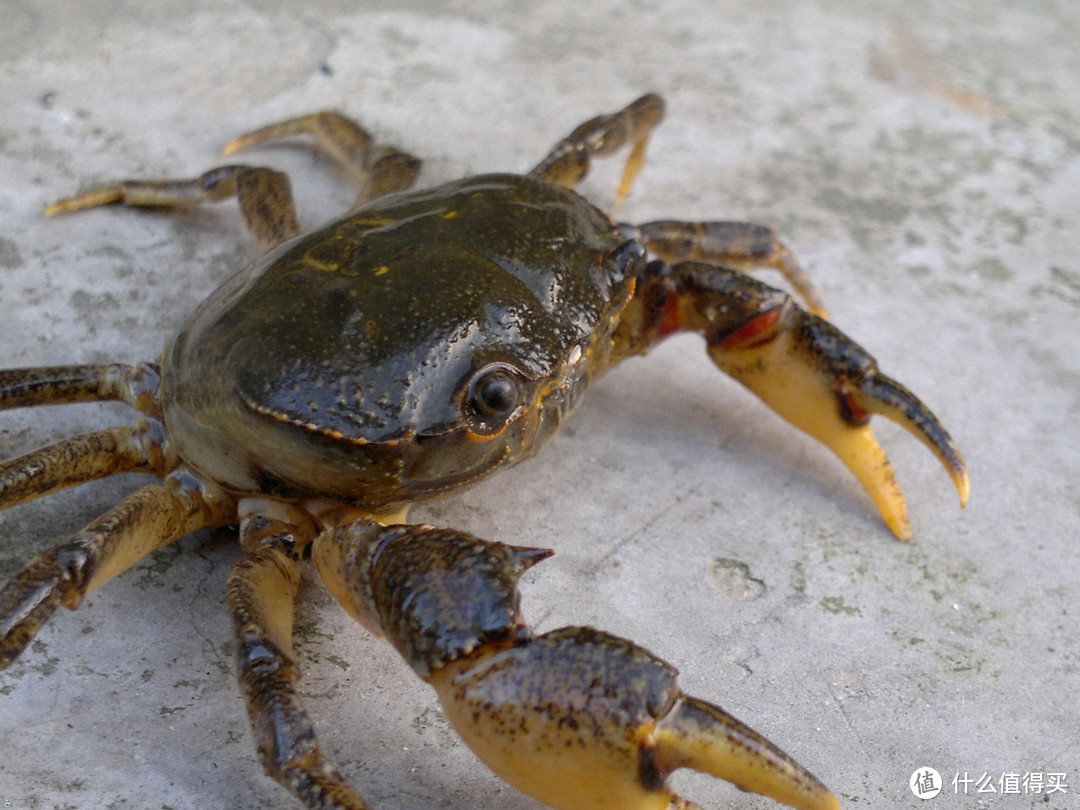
point(102, 195)
point(66, 205)
point(239, 143)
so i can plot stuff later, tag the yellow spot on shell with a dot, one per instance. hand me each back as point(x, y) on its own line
point(317, 264)
point(448, 214)
point(382, 271)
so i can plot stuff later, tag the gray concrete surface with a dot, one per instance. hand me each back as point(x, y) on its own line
point(925, 164)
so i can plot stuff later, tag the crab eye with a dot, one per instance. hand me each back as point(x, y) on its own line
point(494, 396)
point(623, 261)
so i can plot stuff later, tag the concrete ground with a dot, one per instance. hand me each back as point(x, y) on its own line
point(924, 161)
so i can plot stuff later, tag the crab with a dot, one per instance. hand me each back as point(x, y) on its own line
point(404, 351)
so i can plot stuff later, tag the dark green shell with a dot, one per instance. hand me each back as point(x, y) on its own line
point(341, 357)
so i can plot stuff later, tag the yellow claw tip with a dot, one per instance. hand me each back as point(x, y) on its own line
point(963, 485)
point(902, 532)
point(864, 457)
point(704, 737)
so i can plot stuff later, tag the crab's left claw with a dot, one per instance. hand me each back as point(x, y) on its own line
point(698, 735)
point(581, 719)
point(821, 381)
point(577, 718)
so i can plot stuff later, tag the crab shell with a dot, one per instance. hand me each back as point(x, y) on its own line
point(382, 371)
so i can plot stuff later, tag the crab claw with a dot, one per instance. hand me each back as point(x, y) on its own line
point(577, 718)
point(695, 734)
point(821, 381)
point(582, 719)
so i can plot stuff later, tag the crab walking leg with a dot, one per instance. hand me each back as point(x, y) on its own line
point(145, 520)
point(569, 161)
point(577, 718)
point(803, 367)
point(739, 245)
point(265, 198)
point(377, 168)
point(136, 386)
point(140, 448)
point(261, 588)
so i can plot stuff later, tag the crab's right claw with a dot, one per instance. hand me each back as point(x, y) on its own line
point(876, 393)
point(821, 381)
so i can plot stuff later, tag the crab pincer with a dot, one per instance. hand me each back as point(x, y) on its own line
point(577, 718)
point(799, 364)
point(824, 383)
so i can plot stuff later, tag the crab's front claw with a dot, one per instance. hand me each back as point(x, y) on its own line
point(577, 718)
point(821, 381)
point(581, 719)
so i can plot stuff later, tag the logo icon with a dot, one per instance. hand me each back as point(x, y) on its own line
point(925, 783)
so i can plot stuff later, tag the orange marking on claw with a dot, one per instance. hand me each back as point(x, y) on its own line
point(752, 332)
